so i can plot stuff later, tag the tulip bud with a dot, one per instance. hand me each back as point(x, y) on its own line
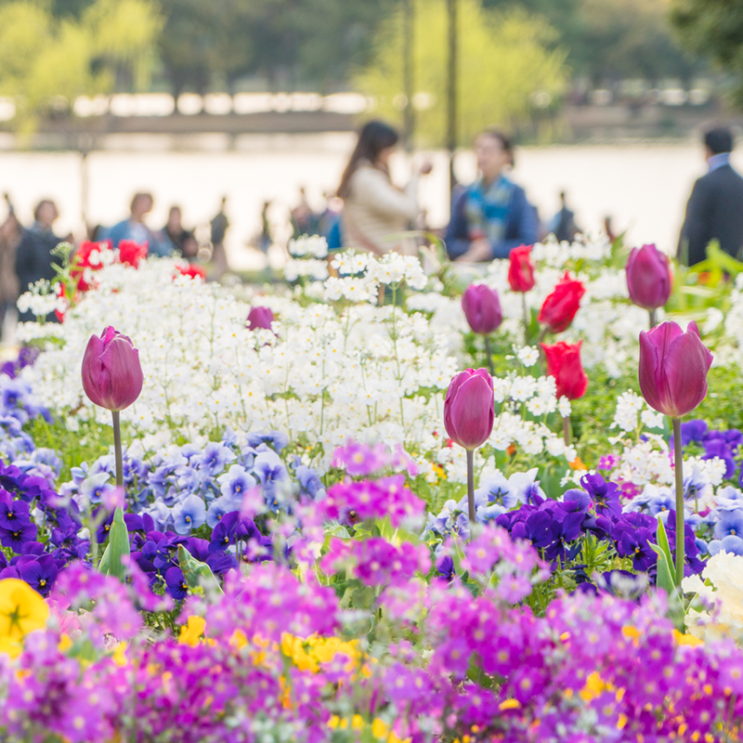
point(560, 307)
point(260, 317)
point(673, 368)
point(112, 375)
point(469, 408)
point(564, 364)
point(482, 308)
point(521, 269)
point(648, 277)
point(131, 252)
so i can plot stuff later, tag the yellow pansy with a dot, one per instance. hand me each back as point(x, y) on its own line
point(192, 631)
point(22, 610)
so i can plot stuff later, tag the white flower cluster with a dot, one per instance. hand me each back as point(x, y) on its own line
point(308, 246)
point(721, 587)
point(629, 407)
point(323, 373)
point(41, 299)
point(311, 268)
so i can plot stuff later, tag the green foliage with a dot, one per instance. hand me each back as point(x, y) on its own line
point(118, 547)
point(714, 29)
point(46, 62)
point(504, 62)
point(195, 573)
point(90, 441)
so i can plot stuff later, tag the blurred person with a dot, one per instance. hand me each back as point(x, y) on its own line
point(304, 220)
point(563, 223)
point(10, 237)
point(183, 240)
point(492, 216)
point(609, 228)
point(373, 208)
point(34, 259)
point(219, 226)
point(264, 238)
point(134, 228)
point(715, 207)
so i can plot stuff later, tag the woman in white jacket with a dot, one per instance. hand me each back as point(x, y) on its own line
point(374, 210)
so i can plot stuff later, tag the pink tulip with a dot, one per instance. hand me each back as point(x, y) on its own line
point(260, 317)
point(112, 375)
point(482, 308)
point(673, 368)
point(469, 408)
point(648, 277)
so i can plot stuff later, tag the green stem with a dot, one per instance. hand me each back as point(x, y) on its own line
point(679, 471)
point(652, 319)
point(527, 338)
point(566, 430)
point(117, 448)
point(471, 487)
point(489, 354)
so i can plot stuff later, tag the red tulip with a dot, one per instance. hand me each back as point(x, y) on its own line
point(87, 256)
point(482, 308)
point(260, 317)
point(469, 408)
point(673, 368)
point(559, 308)
point(192, 270)
point(648, 277)
point(563, 363)
point(521, 269)
point(112, 375)
point(131, 253)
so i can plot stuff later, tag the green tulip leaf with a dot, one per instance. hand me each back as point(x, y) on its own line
point(195, 572)
point(118, 547)
point(665, 579)
point(662, 539)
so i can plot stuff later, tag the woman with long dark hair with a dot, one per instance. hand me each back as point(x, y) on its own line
point(492, 216)
point(373, 208)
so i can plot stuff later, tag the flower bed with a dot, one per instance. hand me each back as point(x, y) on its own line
point(297, 541)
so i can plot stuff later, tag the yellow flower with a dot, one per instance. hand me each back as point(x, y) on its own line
point(119, 656)
point(192, 631)
point(594, 687)
point(22, 610)
point(686, 639)
point(509, 704)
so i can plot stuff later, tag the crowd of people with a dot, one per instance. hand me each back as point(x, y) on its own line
point(489, 217)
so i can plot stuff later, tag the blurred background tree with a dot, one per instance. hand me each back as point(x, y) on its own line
point(508, 65)
point(48, 60)
point(714, 29)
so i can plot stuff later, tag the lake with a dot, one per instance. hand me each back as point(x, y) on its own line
point(644, 187)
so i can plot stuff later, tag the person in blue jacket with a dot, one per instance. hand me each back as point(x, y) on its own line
point(134, 228)
point(492, 216)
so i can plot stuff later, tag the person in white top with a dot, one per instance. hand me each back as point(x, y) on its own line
point(374, 209)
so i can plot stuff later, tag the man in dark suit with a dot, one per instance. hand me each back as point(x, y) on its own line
point(715, 208)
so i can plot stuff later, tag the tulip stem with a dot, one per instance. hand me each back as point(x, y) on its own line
point(527, 337)
point(679, 472)
point(652, 319)
point(117, 448)
point(566, 429)
point(471, 486)
point(489, 354)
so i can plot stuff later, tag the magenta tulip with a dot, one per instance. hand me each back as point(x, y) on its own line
point(112, 375)
point(469, 408)
point(482, 308)
point(648, 277)
point(673, 368)
point(260, 317)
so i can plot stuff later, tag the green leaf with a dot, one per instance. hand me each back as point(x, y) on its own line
point(118, 547)
point(665, 579)
point(663, 542)
point(196, 573)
